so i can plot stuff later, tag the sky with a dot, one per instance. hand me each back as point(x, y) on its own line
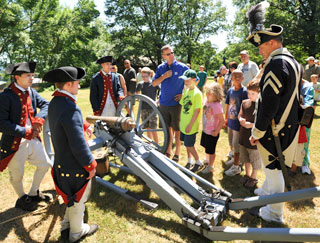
point(220, 40)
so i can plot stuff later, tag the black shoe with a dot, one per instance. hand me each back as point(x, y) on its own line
point(26, 203)
point(40, 197)
point(188, 166)
point(65, 234)
point(196, 167)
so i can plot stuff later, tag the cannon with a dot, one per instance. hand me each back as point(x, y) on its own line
point(126, 137)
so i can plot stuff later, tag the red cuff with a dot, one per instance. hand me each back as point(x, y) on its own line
point(97, 113)
point(28, 134)
point(86, 125)
point(38, 120)
point(91, 167)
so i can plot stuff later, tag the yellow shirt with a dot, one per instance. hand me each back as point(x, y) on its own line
point(190, 101)
point(220, 81)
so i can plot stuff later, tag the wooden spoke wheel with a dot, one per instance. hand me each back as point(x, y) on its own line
point(133, 107)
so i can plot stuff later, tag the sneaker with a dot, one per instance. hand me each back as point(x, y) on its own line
point(260, 192)
point(305, 170)
point(188, 166)
point(208, 169)
point(233, 170)
point(196, 167)
point(230, 154)
point(26, 203)
point(229, 162)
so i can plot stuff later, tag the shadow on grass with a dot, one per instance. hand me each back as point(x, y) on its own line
point(20, 229)
point(129, 210)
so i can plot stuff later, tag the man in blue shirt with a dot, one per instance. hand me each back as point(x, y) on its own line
point(167, 74)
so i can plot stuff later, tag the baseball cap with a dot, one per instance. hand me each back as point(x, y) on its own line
point(189, 74)
point(244, 52)
point(311, 58)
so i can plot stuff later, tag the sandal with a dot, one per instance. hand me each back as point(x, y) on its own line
point(175, 158)
point(168, 155)
point(244, 179)
point(251, 183)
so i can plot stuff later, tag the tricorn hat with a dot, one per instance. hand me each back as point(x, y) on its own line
point(105, 59)
point(64, 74)
point(258, 33)
point(20, 68)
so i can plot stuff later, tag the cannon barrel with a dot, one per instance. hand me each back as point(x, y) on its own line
point(124, 123)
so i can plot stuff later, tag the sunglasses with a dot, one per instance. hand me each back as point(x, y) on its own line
point(168, 54)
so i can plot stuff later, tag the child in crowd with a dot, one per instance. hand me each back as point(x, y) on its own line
point(150, 91)
point(249, 154)
point(302, 155)
point(191, 102)
point(236, 94)
point(316, 87)
point(212, 121)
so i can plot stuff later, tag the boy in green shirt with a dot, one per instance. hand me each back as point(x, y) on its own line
point(191, 103)
point(202, 75)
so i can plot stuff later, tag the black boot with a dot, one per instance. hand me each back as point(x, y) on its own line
point(26, 203)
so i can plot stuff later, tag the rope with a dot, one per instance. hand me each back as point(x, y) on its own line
point(30, 213)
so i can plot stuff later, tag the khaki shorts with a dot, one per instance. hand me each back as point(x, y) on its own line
point(171, 116)
point(251, 156)
point(152, 122)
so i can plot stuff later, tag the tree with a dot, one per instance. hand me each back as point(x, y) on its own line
point(141, 28)
point(196, 20)
point(300, 19)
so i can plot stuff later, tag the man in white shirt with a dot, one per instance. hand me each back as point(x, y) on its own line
point(249, 69)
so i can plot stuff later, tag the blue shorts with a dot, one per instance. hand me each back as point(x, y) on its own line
point(189, 140)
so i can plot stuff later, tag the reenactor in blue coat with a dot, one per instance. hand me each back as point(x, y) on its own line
point(74, 165)
point(105, 89)
point(277, 111)
point(20, 125)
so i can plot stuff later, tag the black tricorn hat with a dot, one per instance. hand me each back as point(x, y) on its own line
point(105, 59)
point(64, 74)
point(20, 68)
point(258, 33)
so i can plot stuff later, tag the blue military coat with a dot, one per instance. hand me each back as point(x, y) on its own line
point(10, 117)
point(73, 158)
point(97, 90)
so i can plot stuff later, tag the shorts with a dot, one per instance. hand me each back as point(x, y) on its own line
point(209, 142)
point(251, 156)
point(131, 87)
point(152, 122)
point(233, 137)
point(171, 116)
point(189, 140)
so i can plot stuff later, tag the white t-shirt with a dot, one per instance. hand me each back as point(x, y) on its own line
point(249, 70)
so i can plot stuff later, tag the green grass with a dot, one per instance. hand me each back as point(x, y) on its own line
point(121, 220)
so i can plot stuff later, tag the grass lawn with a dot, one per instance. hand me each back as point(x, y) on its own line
point(121, 220)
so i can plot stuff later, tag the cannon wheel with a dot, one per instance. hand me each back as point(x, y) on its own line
point(47, 140)
point(132, 106)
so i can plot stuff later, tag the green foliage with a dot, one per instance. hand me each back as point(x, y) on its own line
point(141, 28)
point(300, 19)
point(51, 35)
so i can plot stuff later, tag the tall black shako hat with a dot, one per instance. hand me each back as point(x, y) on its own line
point(64, 74)
point(258, 33)
point(20, 68)
point(105, 59)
